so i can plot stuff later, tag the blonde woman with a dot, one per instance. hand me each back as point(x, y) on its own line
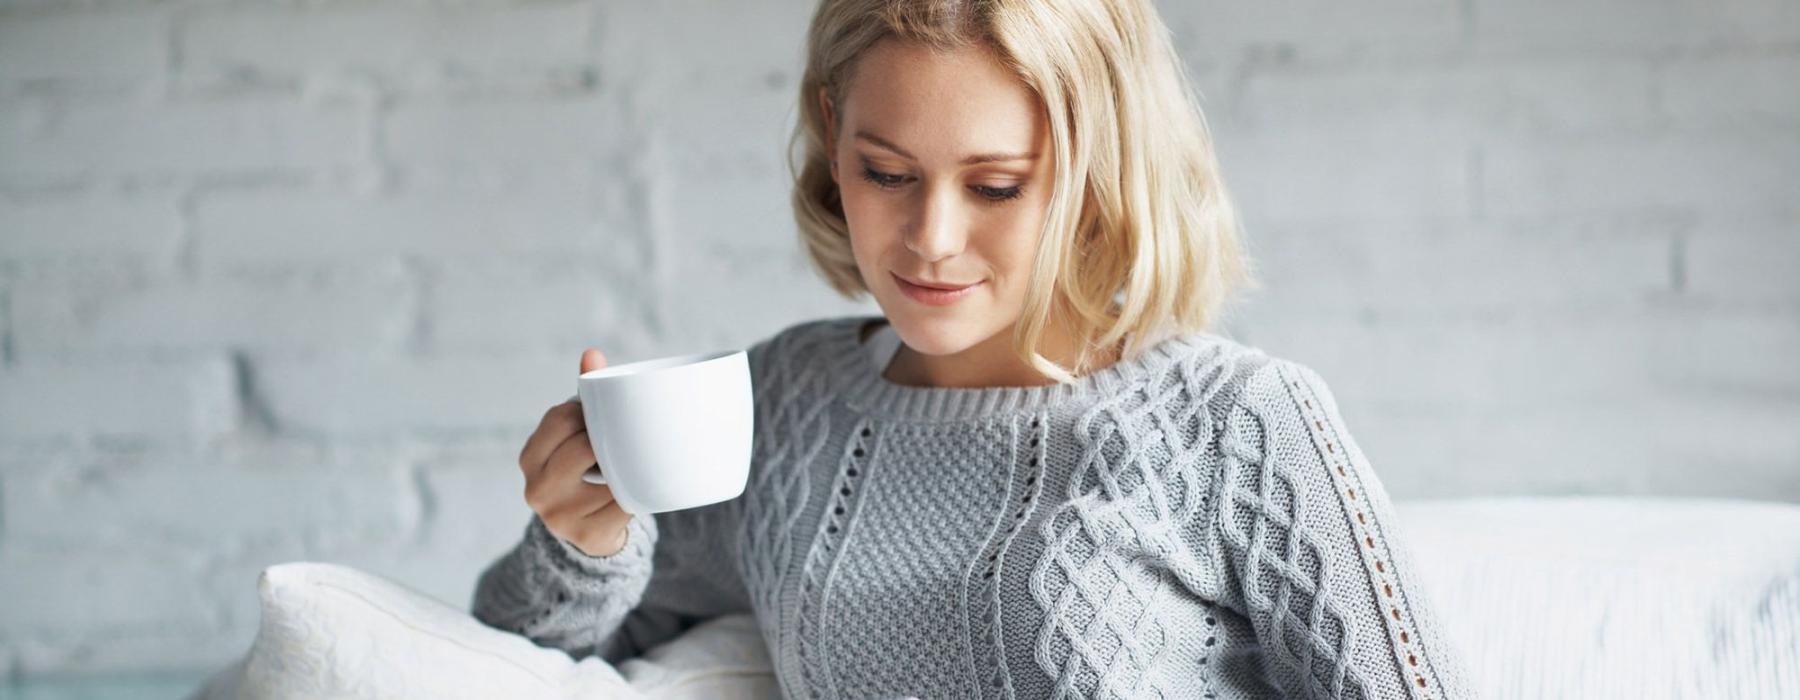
point(1036, 474)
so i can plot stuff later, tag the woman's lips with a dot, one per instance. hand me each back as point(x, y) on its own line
point(931, 296)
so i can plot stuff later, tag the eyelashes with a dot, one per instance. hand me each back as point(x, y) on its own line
point(889, 181)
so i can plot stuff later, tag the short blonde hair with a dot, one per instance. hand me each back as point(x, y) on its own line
point(1141, 239)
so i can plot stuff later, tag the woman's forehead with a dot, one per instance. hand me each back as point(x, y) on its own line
point(950, 103)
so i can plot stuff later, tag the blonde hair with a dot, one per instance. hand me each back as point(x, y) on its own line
point(1141, 240)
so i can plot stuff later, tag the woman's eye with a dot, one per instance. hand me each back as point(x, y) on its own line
point(890, 181)
point(999, 194)
point(882, 179)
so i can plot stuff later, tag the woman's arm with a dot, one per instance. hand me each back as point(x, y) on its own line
point(1315, 554)
point(556, 595)
point(677, 569)
point(674, 572)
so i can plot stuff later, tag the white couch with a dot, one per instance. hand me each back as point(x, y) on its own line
point(1546, 597)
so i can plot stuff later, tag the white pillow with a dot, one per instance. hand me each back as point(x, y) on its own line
point(330, 631)
point(720, 659)
point(1594, 597)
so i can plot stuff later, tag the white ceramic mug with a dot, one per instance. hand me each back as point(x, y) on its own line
point(670, 433)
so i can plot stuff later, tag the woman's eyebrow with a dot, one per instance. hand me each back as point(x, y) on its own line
point(971, 160)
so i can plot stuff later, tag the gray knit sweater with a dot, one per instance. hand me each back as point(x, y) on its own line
point(1191, 522)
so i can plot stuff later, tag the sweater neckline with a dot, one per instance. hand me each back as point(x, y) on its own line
point(865, 388)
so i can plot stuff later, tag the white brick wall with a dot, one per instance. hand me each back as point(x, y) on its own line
point(294, 280)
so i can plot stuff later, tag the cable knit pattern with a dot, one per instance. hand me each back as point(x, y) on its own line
point(1191, 522)
point(1309, 530)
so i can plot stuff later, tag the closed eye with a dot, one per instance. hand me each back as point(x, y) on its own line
point(1000, 194)
point(888, 181)
point(881, 179)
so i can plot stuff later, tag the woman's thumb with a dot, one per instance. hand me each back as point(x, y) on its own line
point(592, 359)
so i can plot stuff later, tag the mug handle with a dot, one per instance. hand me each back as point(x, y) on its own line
point(592, 475)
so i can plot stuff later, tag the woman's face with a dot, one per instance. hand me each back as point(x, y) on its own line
point(943, 165)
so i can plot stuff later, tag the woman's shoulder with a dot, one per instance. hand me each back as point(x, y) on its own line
point(1278, 394)
point(808, 332)
point(805, 345)
point(1228, 373)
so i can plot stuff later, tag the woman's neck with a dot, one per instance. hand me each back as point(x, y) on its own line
point(990, 363)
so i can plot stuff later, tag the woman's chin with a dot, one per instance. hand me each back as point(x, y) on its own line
point(930, 334)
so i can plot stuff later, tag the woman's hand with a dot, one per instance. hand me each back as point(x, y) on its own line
point(554, 458)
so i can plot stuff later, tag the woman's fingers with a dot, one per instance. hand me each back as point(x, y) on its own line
point(558, 423)
point(570, 459)
point(558, 490)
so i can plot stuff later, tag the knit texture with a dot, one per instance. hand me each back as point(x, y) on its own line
point(1193, 521)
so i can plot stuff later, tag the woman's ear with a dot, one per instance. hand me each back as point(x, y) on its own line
point(825, 108)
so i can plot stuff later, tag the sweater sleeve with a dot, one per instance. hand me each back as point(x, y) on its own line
point(556, 595)
point(675, 571)
point(1315, 555)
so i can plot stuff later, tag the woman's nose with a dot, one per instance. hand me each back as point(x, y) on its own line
point(940, 229)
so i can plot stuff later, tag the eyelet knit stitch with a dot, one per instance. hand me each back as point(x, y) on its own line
point(1192, 521)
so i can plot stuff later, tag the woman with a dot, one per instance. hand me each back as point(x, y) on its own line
point(1036, 474)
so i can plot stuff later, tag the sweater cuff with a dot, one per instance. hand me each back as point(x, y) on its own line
point(631, 561)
